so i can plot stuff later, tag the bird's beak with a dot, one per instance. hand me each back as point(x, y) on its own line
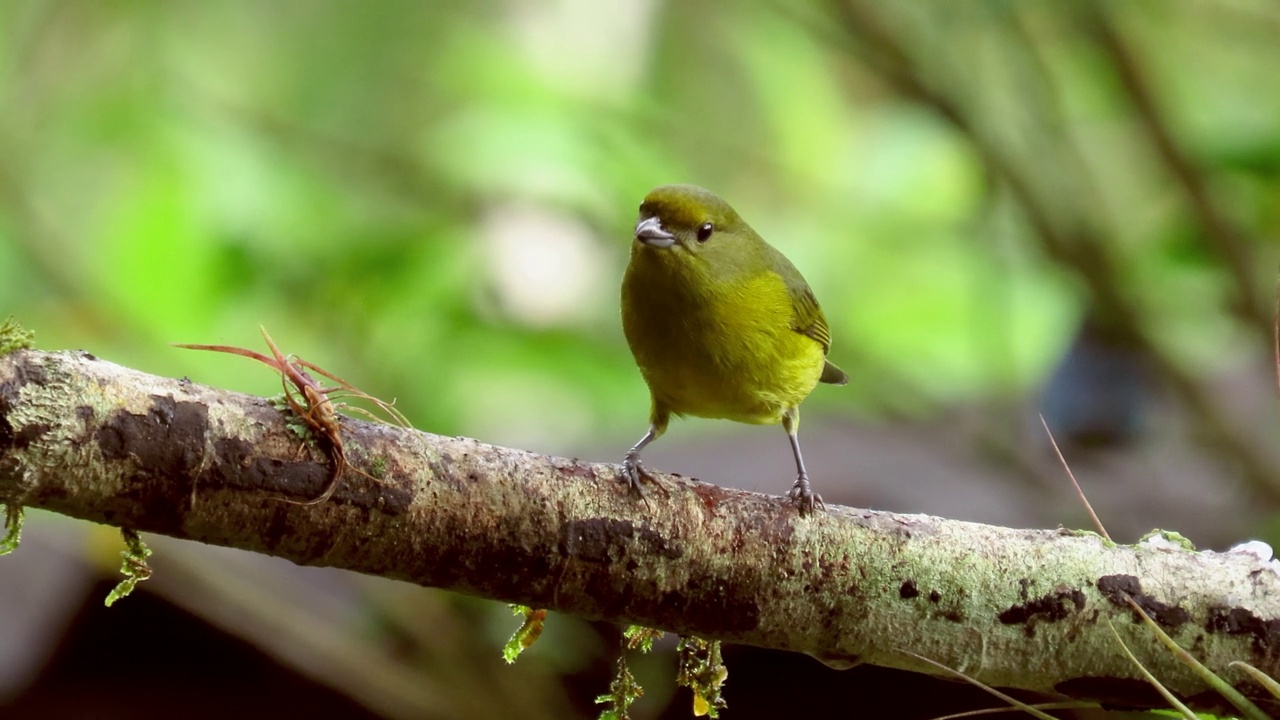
point(649, 231)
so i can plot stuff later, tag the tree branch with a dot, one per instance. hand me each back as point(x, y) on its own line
point(1015, 608)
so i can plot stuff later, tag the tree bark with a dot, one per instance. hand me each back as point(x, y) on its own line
point(1011, 608)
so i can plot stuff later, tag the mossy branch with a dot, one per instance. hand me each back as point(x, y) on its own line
point(1010, 608)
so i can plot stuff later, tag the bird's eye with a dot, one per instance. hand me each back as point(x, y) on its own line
point(704, 232)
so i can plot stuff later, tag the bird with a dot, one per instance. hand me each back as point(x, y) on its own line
point(721, 325)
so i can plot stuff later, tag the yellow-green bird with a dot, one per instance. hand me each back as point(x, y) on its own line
point(720, 323)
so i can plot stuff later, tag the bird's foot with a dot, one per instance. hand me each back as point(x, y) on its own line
point(803, 496)
point(635, 476)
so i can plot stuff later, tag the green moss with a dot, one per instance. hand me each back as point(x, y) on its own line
point(623, 691)
point(15, 337)
point(134, 568)
point(526, 634)
point(1106, 542)
point(297, 425)
point(703, 672)
point(1170, 536)
point(641, 637)
point(12, 521)
point(59, 446)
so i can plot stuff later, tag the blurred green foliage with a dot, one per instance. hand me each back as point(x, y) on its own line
point(435, 200)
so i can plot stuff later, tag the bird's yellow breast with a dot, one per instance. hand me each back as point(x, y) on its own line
point(722, 349)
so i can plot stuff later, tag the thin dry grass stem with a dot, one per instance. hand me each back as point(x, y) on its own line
point(288, 366)
point(1067, 705)
point(1266, 681)
point(1096, 522)
point(233, 350)
point(387, 407)
point(1246, 706)
point(356, 410)
point(313, 404)
point(1007, 698)
point(1169, 697)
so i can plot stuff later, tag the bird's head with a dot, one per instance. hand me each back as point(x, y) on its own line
point(687, 219)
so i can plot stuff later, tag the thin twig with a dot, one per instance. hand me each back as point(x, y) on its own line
point(1096, 522)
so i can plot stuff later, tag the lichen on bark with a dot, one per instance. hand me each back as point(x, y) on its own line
point(1009, 607)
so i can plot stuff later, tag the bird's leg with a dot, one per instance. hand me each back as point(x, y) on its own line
point(632, 471)
point(803, 496)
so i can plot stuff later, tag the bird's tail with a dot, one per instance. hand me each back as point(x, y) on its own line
point(832, 375)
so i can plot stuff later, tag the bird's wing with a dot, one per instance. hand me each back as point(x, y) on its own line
point(806, 316)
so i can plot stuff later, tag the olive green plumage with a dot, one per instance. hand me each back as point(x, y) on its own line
point(720, 323)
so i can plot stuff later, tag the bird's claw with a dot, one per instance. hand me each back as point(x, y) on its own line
point(804, 498)
point(635, 475)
